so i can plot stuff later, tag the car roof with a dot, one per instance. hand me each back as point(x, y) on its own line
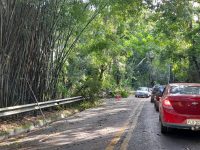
point(143, 87)
point(188, 84)
point(158, 86)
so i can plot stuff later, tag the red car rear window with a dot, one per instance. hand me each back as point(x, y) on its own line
point(183, 89)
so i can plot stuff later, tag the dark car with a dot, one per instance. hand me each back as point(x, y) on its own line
point(158, 95)
point(154, 90)
point(179, 107)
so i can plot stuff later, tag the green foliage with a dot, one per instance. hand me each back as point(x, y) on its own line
point(89, 104)
point(124, 93)
point(113, 52)
point(119, 91)
point(86, 47)
point(91, 88)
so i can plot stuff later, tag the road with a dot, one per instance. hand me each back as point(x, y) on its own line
point(126, 124)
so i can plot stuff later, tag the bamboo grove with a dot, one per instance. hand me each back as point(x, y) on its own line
point(33, 47)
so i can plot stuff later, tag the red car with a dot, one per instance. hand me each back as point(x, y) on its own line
point(179, 107)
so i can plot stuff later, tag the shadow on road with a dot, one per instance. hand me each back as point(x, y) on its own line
point(95, 126)
point(183, 134)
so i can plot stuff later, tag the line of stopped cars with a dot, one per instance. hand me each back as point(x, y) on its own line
point(178, 105)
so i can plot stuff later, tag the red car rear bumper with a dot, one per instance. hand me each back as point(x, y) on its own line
point(181, 126)
point(170, 118)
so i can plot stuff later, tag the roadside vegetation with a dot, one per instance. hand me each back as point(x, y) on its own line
point(61, 48)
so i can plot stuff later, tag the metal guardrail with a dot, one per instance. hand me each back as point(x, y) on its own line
point(36, 106)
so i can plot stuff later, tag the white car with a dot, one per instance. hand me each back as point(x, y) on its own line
point(142, 92)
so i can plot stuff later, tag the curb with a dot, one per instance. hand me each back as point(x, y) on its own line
point(37, 124)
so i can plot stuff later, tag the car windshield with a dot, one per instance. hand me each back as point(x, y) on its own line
point(162, 88)
point(193, 90)
point(158, 88)
point(143, 89)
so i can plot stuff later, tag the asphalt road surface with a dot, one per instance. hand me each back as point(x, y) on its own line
point(126, 124)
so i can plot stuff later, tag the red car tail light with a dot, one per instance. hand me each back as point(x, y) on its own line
point(167, 104)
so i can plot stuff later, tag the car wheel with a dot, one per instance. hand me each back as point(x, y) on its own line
point(163, 129)
point(156, 107)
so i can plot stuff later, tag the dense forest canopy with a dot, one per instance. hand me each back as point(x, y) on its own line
point(61, 48)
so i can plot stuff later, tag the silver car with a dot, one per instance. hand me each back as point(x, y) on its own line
point(142, 92)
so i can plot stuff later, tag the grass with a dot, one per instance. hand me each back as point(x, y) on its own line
point(89, 104)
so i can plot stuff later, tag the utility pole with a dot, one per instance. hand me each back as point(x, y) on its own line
point(169, 73)
point(150, 56)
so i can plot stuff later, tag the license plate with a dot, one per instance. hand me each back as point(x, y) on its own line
point(193, 122)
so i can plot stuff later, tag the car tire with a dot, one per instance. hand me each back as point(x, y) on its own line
point(163, 129)
point(156, 107)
